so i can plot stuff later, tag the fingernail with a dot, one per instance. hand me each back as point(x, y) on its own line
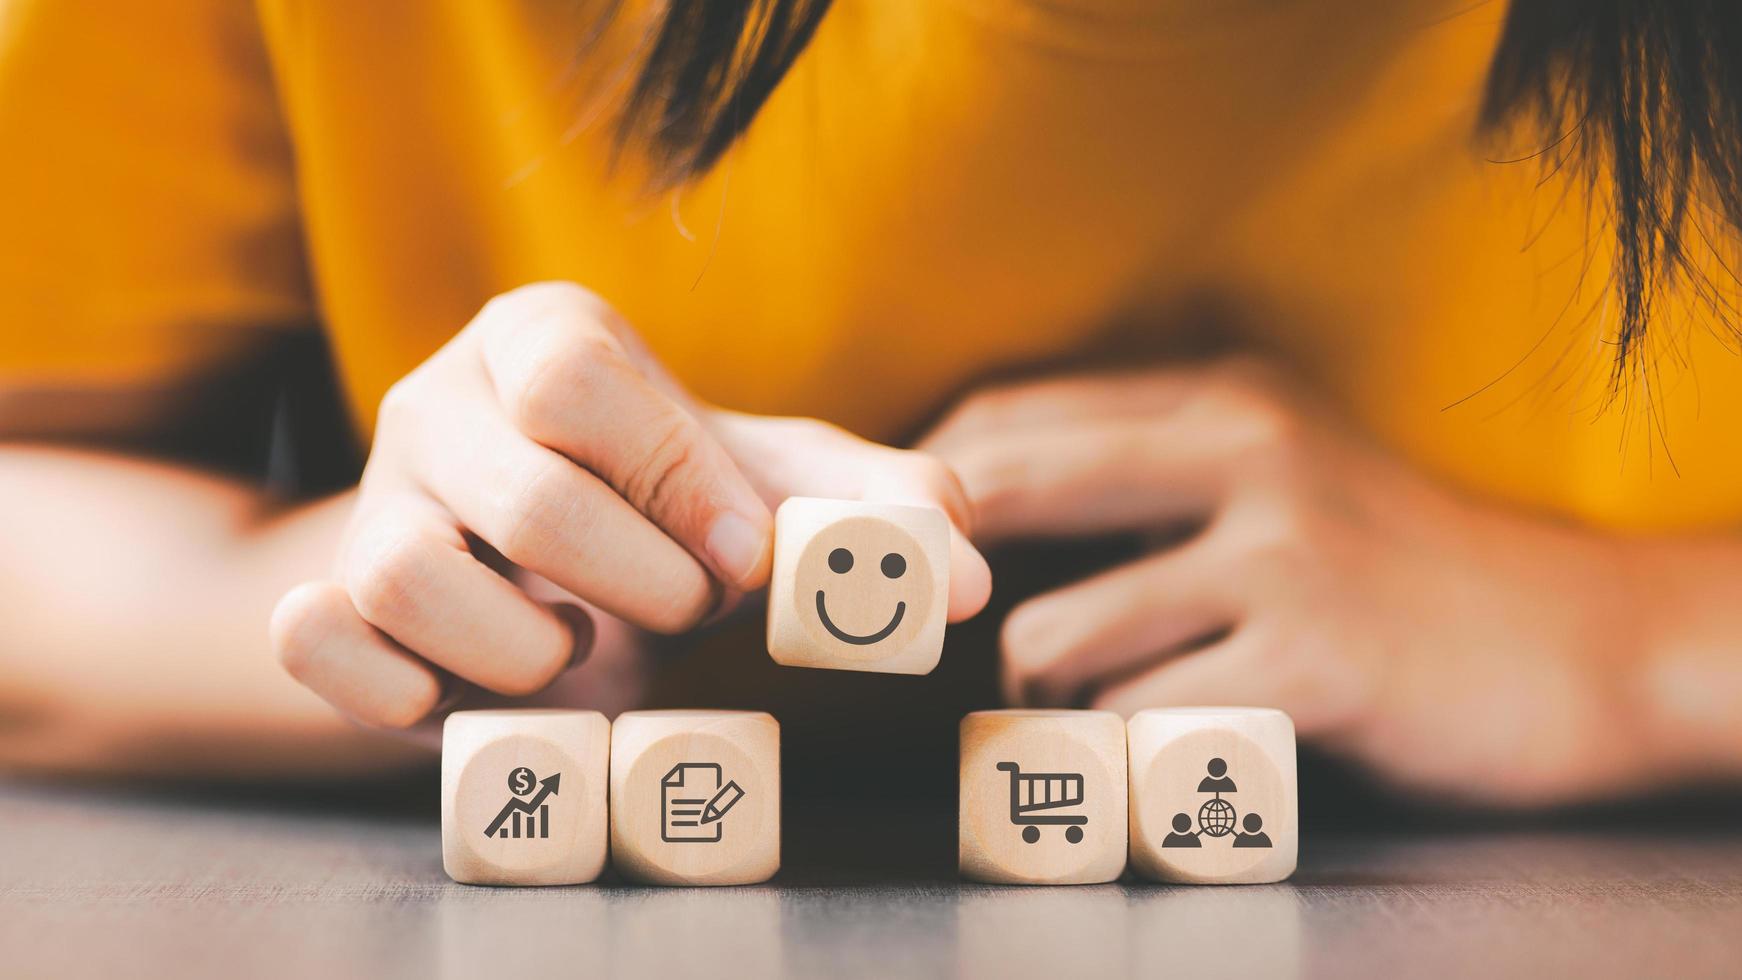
point(736, 546)
point(580, 632)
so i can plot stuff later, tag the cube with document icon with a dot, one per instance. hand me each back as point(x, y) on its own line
point(695, 797)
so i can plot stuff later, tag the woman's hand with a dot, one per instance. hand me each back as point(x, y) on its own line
point(539, 470)
point(1450, 646)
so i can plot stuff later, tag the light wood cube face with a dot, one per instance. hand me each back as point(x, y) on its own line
point(1043, 797)
point(524, 796)
point(1213, 795)
point(858, 586)
point(695, 797)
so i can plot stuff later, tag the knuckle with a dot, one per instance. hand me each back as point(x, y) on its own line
point(558, 377)
point(1272, 424)
point(653, 480)
point(1267, 533)
point(537, 299)
point(992, 479)
point(534, 675)
point(976, 469)
point(975, 412)
point(302, 623)
point(1257, 424)
point(540, 512)
point(673, 598)
point(1031, 639)
point(928, 477)
point(537, 405)
point(398, 404)
point(802, 430)
point(409, 708)
point(932, 475)
point(1261, 398)
point(944, 484)
point(692, 600)
point(387, 582)
point(304, 626)
point(689, 614)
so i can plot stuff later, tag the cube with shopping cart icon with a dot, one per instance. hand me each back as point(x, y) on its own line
point(1034, 794)
point(1043, 797)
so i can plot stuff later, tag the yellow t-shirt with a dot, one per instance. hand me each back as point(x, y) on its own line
point(941, 191)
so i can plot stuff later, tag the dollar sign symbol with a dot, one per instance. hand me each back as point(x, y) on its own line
point(520, 781)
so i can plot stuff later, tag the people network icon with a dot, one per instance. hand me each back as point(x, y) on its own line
point(1217, 817)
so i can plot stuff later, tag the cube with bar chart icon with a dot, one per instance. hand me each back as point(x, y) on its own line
point(695, 797)
point(524, 796)
point(1042, 797)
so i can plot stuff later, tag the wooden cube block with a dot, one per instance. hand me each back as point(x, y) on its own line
point(695, 797)
point(1043, 797)
point(1213, 795)
point(859, 586)
point(523, 796)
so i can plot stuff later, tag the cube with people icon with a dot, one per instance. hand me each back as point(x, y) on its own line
point(523, 796)
point(695, 797)
point(1042, 797)
point(1212, 795)
point(859, 586)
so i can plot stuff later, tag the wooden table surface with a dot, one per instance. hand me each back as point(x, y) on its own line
point(104, 882)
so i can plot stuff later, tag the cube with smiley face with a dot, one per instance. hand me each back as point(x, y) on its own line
point(859, 586)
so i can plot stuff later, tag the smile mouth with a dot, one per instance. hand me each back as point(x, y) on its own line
point(823, 614)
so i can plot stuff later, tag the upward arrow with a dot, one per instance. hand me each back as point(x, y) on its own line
point(546, 787)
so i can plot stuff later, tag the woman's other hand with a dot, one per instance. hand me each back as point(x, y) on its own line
point(1448, 645)
point(543, 453)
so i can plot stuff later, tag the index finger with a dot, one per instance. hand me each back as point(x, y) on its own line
point(568, 383)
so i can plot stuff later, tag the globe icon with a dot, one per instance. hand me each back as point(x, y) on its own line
point(1216, 818)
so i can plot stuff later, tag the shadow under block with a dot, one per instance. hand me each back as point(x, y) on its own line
point(859, 586)
point(695, 797)
point(523, 796)
point(1213, 797)
point(1042, 797)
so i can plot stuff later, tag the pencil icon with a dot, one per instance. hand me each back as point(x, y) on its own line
point(694, 798)
point(724, 800)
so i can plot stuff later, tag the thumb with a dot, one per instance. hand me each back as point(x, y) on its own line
point(921, 480)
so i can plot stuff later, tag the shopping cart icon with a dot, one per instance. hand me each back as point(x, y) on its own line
point(1033, 792)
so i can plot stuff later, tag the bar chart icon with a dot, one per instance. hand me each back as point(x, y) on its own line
point(524, 815)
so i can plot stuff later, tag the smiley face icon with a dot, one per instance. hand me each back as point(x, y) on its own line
point(858, 586)
point(873, 589)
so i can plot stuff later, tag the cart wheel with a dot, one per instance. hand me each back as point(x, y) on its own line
point(1073, 834)
point(1031, 834)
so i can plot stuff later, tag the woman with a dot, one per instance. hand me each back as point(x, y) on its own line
point(1453, 495)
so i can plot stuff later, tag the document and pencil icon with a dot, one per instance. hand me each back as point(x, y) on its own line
point(694, 797)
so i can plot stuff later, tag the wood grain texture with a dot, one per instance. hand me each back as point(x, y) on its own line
point(1042, 797)
point(695, 797)
point(109, 882)
point(1213, 795)
point(524, 796)
point(882, 608)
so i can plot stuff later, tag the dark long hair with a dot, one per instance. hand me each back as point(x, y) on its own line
point(1640, 98)
point(709, 67)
